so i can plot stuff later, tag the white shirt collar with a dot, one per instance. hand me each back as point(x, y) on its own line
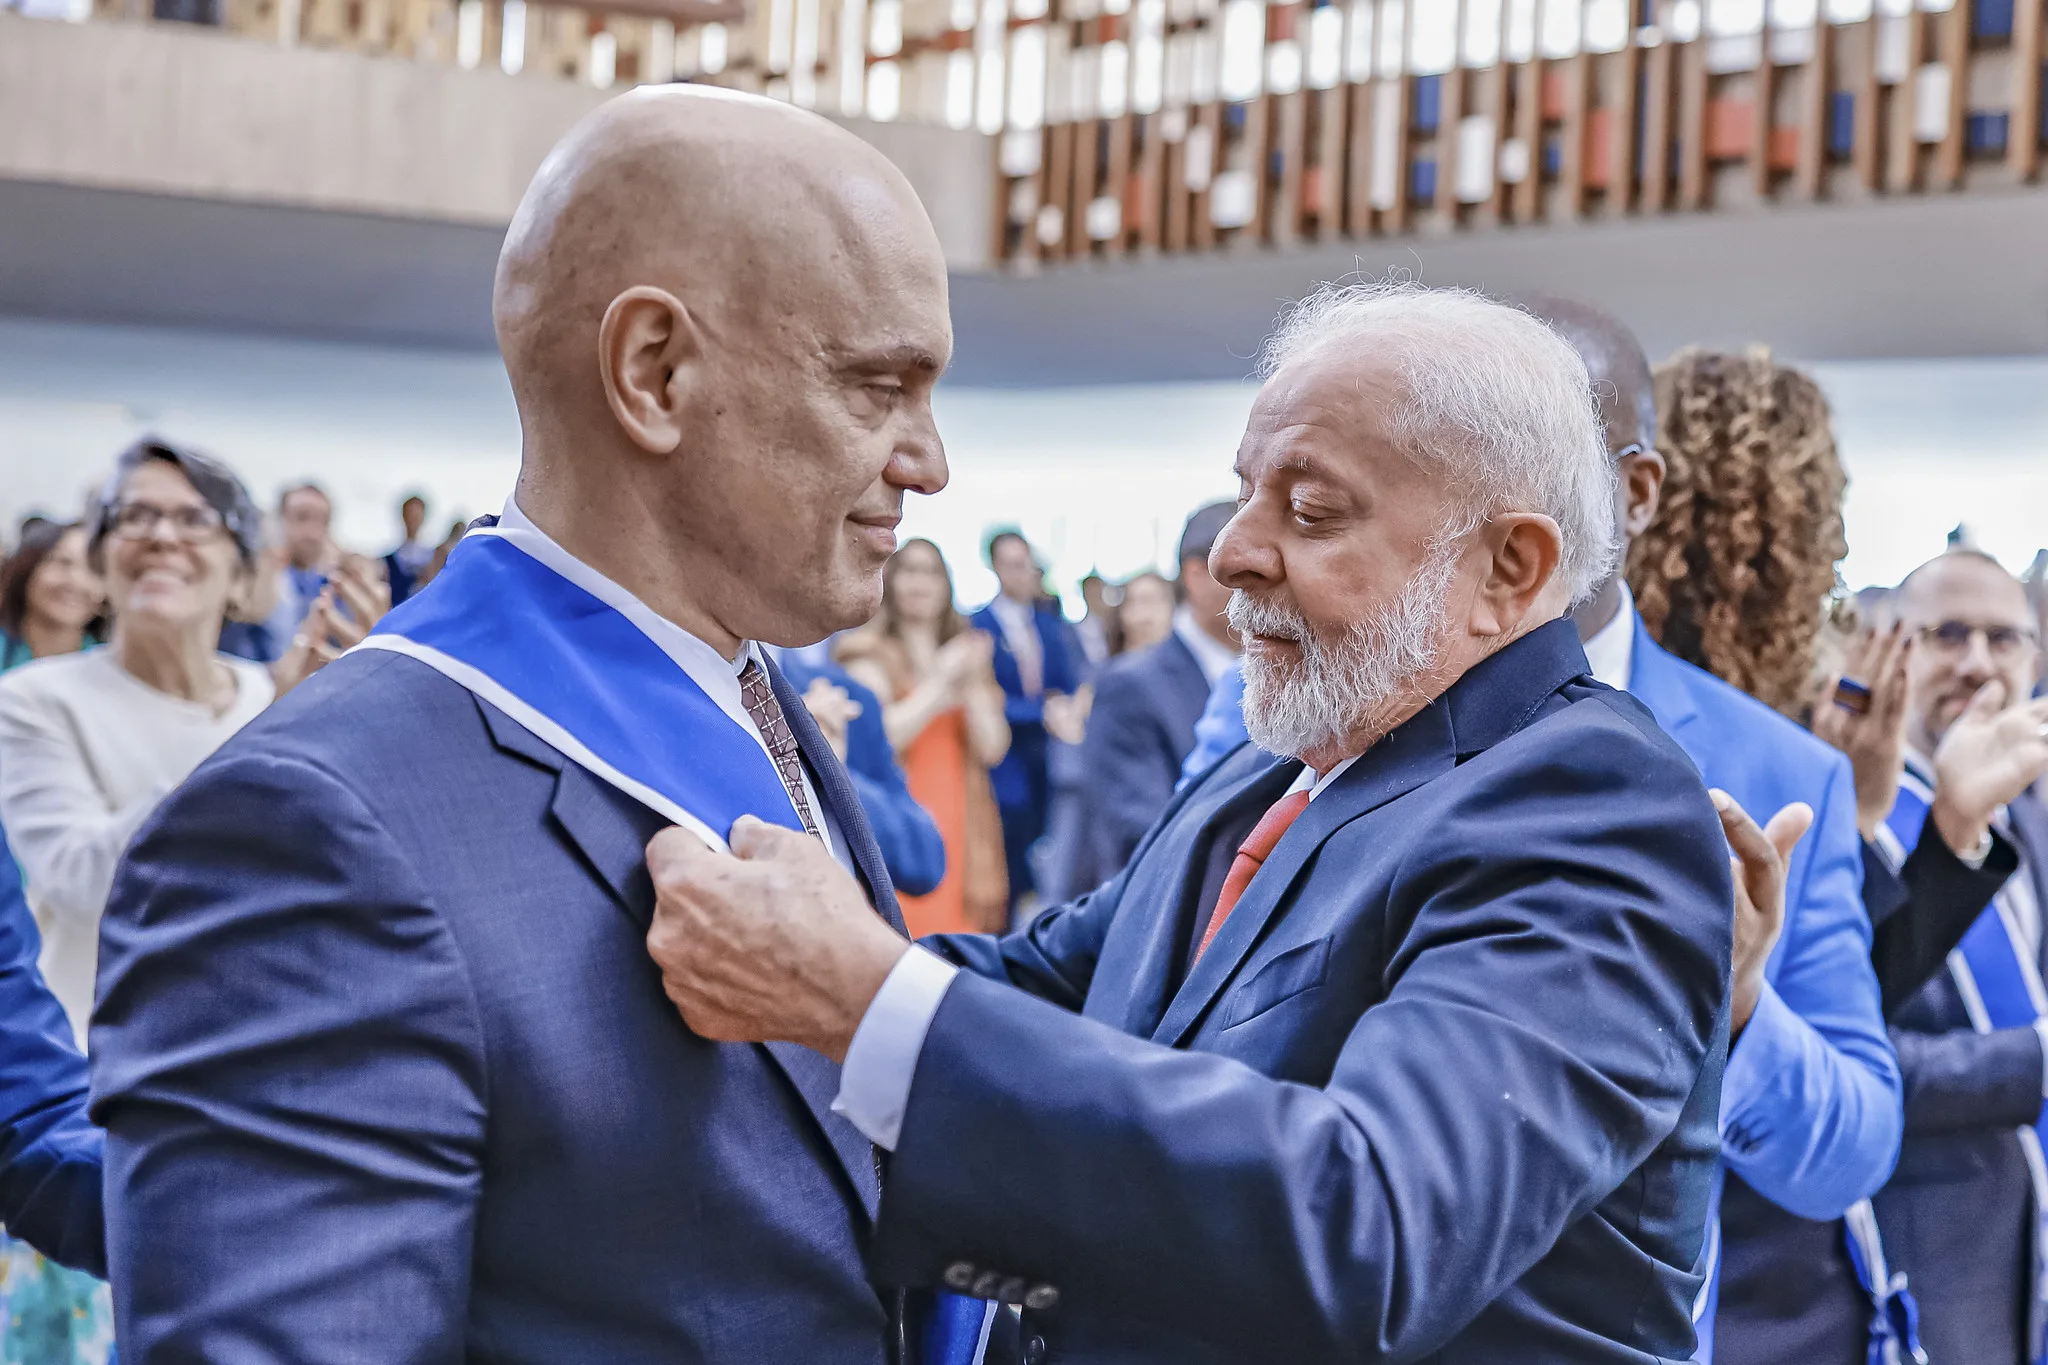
point(1612, 650)
point(1212, 654)
point(1314, 783)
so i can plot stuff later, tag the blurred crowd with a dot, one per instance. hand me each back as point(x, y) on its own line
point(1015, 753)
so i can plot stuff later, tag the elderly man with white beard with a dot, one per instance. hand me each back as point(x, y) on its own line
point(1404, 1045)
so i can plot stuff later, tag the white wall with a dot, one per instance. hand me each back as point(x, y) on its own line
point(1100, 478)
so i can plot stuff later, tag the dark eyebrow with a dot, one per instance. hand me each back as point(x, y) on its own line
point(893, 360)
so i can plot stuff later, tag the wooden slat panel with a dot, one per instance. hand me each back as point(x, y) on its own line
point(1526, 202)
point(1496, 85)
point(1818, 77)
point(1150, 191)
point(1332, 159)
point(999, 218)
point(1571, 76)
point(1116, 178)
point(1657, 99)
point(1202, 230)
point(1955, 55)
point(1902, 149)
point(1258, 142)
point(1086, 143)
point(1358, 159)
point(1621, 163)
point(1692, 125)
point(1059, 186)
point(1283, 216)
point(1763, 122)
point(1395, 219)
point(1174, 236)
point(1866, 153)
point(1450, 112)
point(2023, 133)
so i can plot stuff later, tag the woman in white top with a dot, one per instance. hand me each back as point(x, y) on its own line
point(90, 742)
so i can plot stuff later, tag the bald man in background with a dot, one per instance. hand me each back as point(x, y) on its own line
point(386, 1072)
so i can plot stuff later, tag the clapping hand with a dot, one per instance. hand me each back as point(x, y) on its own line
point(1991, 753)
point(966, 660)
point(347, 609)
point(1864, 715)
point(1758, 858)
point(834, 710)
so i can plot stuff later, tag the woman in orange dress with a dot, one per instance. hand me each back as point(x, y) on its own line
point(943, 710)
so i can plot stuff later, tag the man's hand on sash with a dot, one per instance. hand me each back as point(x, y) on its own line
point(773, 942)
point(1758, 858)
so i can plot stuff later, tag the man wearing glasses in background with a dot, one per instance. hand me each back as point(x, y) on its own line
point(1962, 1213)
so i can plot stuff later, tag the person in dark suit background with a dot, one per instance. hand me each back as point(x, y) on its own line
point(850, 718)
point(1406, 1045)
point(408, 560)
point(1142, 722)
point(385, 1072)
point(1039, 663)
point(1960, 1213)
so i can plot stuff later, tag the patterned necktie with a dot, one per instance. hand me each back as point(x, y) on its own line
point(1251, 856)
point(759, 698)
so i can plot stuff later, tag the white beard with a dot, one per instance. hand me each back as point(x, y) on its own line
point(1336, 689)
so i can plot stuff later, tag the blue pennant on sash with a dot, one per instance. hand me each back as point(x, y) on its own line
point(2000, 983)
point(585, 679)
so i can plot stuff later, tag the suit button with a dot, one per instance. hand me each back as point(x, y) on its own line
point(1034, 1350)
point(986, 1284)
point(1011, 1292)
point(959, 1275)
point(1041, 1298)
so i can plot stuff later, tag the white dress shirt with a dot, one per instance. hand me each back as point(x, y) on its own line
point(1019, 621)
point(1612, 650)
point(881, 1061)
point(1212, 654)
point(716, 675)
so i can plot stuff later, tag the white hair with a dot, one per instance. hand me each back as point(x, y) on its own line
point(1489, 395)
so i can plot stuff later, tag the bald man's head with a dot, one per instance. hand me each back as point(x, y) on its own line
point(1616, 362)
point(725, 315)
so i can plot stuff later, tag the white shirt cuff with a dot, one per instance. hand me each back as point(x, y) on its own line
point(1974, 858)
point(881, 1062)
point(2041, 1032)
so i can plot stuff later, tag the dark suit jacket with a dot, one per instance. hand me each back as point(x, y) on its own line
point(1921, 912)
point(49, 1152)
point(903, 830)
point(1019, 780)
point(388, 1075)
point(1139, 733)
point(1444, 1086)
point(1957, 1216)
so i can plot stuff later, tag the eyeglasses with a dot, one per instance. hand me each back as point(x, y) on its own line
point(190, 523)
point(1952, 638)
point(1632, 448)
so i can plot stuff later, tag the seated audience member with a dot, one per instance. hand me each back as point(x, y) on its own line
point(944, 717)
point(50, 598)
point(52, 1310)
point(405, 564)
point(1039, 664)
point(1146, 613)
point(1733, 509)
point(1141, 727)
point(91, 742)
point(850, 718)
point(1403, 1046)
point(1960, 1215)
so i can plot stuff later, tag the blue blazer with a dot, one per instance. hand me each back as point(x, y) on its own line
point(1442, 1088)
point(1060, 670)
point(1810, 1108)
point(1958, 1213)
point(49, 1151)
point(910, 842)
point(1139, 733)
point(387, 1074)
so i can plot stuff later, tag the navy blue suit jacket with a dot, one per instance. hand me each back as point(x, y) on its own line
point(388, 1075)
point(1060, 671)
point(1139, 733)
point(49, 1152)
point(1443, 1087)
point(910, 842)
point(1957, 1215)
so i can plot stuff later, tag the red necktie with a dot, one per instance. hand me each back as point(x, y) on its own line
point(1251, 856)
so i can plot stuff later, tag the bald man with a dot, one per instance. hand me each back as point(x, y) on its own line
point(1810, 1105)
point(386, 1072)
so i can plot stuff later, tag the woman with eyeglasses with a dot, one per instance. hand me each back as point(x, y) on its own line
point(90, 742)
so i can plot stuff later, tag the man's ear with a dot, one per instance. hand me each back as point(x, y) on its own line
point(1642, 486)
point(647, 347)
point(1523, 549)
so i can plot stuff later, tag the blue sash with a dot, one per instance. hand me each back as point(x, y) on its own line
point(2000, 983)
point(584, 677)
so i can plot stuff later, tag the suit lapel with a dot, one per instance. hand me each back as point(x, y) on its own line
point(1658, 681)
point(1418, 751)
point(611, 831)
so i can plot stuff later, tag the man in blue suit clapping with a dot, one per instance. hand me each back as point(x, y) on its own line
point(1403, 1045)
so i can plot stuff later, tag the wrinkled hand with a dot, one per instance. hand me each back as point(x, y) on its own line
point(1875, 741)
point(772, 942)
point(1066, 718)
point(967, 658)
point(1991, 753)
point(347, 609)
point(833, 710)
point(1758, 860)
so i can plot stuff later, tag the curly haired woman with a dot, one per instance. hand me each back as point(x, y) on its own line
point(1737, 573)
